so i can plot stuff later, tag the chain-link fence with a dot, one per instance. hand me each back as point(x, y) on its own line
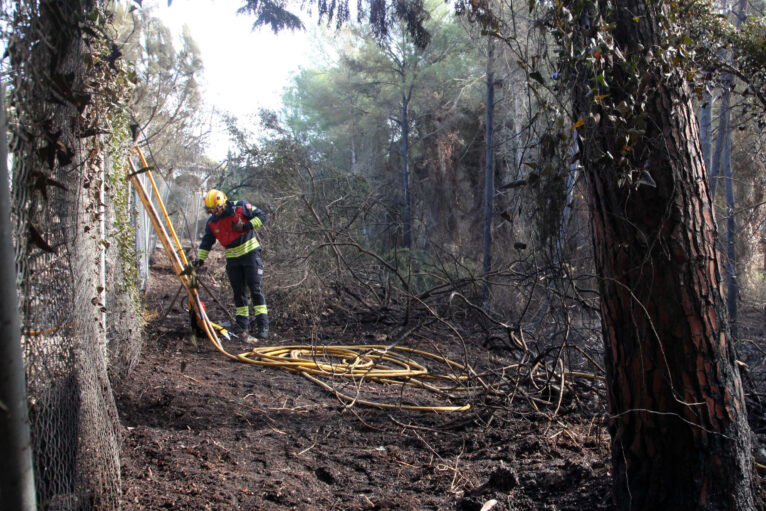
point(146, 238)
point(60, 254)
point(73, 244)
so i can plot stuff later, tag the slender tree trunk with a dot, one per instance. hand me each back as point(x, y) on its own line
point(723, 159)
point(354, 164)
point(731, 240)
point(723, 134)
point(489, 171)
point(407, 221)
point(679, 432)
point(518, 146)
point(706, 127)
point(566, 213)
point(17, 481)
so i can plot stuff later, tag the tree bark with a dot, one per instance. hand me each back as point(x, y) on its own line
point(679, 432)
point(566, 212)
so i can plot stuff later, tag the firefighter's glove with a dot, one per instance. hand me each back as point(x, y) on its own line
point(242, 226)
point(198, 264)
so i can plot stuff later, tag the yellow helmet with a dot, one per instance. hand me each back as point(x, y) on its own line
point(215, 200)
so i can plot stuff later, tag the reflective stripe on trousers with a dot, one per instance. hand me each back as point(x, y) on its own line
point(245, 274)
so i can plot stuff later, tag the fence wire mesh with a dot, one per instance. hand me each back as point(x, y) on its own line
point(146, 238)
point(75, 298)
point(60, 260)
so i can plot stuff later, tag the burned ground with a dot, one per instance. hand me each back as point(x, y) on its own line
point(201, 431)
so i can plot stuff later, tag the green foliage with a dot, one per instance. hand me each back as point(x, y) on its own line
point(351, 113)
point(724, 47)
point(693, 47)
point(380, 14)
point(271, 13)
point(111, 85)
point(167, 103)
point(616, 85)
point(122, 231)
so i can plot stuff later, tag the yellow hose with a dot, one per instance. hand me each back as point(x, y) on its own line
point(181, 253)
point(388, 365)
point(176, 257)
point(368, 363)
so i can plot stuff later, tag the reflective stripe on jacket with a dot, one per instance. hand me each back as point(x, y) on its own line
point(236, 244)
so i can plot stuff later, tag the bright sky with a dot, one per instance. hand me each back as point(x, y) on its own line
point(245, 70)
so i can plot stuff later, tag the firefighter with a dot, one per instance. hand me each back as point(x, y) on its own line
point(233, 223)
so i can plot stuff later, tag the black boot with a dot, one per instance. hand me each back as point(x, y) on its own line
point(262, 325)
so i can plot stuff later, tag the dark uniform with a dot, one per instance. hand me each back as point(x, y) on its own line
point(243, 259)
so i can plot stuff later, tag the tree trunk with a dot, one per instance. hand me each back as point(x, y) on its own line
point(732, 283)
point(489, 172)
point(566, 213)
point(407, 221)
point(679, 433)
point(17, 481)
point(706, 127)
point(723, 133)
point(723, 160)
point(518, 147)
point(67, 363)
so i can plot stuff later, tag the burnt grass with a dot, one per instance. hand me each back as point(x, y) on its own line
point(201, 431)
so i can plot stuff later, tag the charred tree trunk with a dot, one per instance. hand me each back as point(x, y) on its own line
point(679, 433)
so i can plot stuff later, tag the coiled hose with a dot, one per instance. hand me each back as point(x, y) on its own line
point(391, 365)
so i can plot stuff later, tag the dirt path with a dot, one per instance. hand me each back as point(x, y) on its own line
point(203, 432)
